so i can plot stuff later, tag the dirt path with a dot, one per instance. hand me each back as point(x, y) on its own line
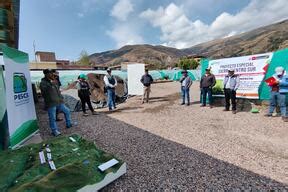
point(250, 141)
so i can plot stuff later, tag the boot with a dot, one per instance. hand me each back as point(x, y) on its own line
point(285, 119)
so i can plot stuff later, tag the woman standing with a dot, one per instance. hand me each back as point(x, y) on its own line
point(84, 94)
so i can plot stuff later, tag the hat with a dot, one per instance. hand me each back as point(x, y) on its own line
point(47, 71)
point(109, 70)
point(207, 69)
point(279, 70)
point(82, 76)
point(232, 70)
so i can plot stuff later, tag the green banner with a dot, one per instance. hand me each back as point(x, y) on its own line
point(280, 58)
point(4, 136)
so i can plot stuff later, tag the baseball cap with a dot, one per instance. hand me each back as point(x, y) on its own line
point(47, 71)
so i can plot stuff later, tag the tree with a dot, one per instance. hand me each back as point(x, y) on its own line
point(186, 63)
point(84, 58)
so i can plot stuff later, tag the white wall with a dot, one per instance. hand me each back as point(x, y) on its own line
point(134, 73)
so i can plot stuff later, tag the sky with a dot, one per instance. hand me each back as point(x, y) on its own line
point(68, 27)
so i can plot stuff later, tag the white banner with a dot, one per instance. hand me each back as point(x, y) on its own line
point(135, 72)
point(19, 97)
point(251, 70)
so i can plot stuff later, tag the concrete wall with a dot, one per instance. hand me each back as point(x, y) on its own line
point(42, 65)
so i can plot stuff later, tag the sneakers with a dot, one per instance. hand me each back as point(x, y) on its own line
point(182, 104)
point(85, 114)
point(202, 105)
point(225, 109)
point(56, 133)
point(234, 112)
point(72, 124)
point(268, 115)
point(211, 106)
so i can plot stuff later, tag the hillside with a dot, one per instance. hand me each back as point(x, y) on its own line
point(261, 40)
point(157, 55)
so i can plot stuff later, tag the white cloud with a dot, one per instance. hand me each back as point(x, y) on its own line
point(178, 31)
point(87, 6)
point(122, 9)
point(124, 34)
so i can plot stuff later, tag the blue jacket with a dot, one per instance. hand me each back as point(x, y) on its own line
point(283, 84)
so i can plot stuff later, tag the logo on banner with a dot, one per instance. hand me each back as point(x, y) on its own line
point(21, 95)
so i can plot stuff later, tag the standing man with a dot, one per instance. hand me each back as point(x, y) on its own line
point(58, 82)
point(283, 90)
point(110, 84)
point(146, 80)
point(275, 96)
point(231, 83)
point(278, 92)
point(207, 82)
point(84, 94)
point(186, 82)
point(54, 101)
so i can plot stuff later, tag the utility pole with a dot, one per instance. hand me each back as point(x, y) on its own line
point(34, 45)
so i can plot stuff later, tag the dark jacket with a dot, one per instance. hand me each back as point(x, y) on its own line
point(51, 93)
point(83, 88)
point(207, 81)
point(146, 80)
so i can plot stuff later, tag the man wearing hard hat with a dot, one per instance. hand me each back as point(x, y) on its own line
point(279, 90)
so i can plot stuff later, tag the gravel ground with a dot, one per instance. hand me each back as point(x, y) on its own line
point(173, 147)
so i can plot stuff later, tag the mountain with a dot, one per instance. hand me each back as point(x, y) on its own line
point(261, 40)
point(156, 55)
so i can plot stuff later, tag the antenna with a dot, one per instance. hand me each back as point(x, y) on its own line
point(34, 45)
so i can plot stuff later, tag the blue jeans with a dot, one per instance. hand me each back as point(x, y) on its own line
point(280, 99)
point(111, 98)
point(185, 94)
point(205, 91)
point(52, 116)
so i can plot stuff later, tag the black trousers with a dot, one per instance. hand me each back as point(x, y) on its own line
point(86, 99)
point(230, 95)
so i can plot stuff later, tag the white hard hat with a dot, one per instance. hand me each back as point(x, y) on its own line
point(231, 69)
point(279, 70)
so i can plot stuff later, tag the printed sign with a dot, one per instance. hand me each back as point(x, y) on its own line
point(19, 97)
point(251, 71)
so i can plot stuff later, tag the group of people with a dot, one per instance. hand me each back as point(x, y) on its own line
point(50, 89)
point(54, 103)
point(231, 83)
point(208, 81)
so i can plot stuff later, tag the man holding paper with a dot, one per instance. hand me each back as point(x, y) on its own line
point(279, 88)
